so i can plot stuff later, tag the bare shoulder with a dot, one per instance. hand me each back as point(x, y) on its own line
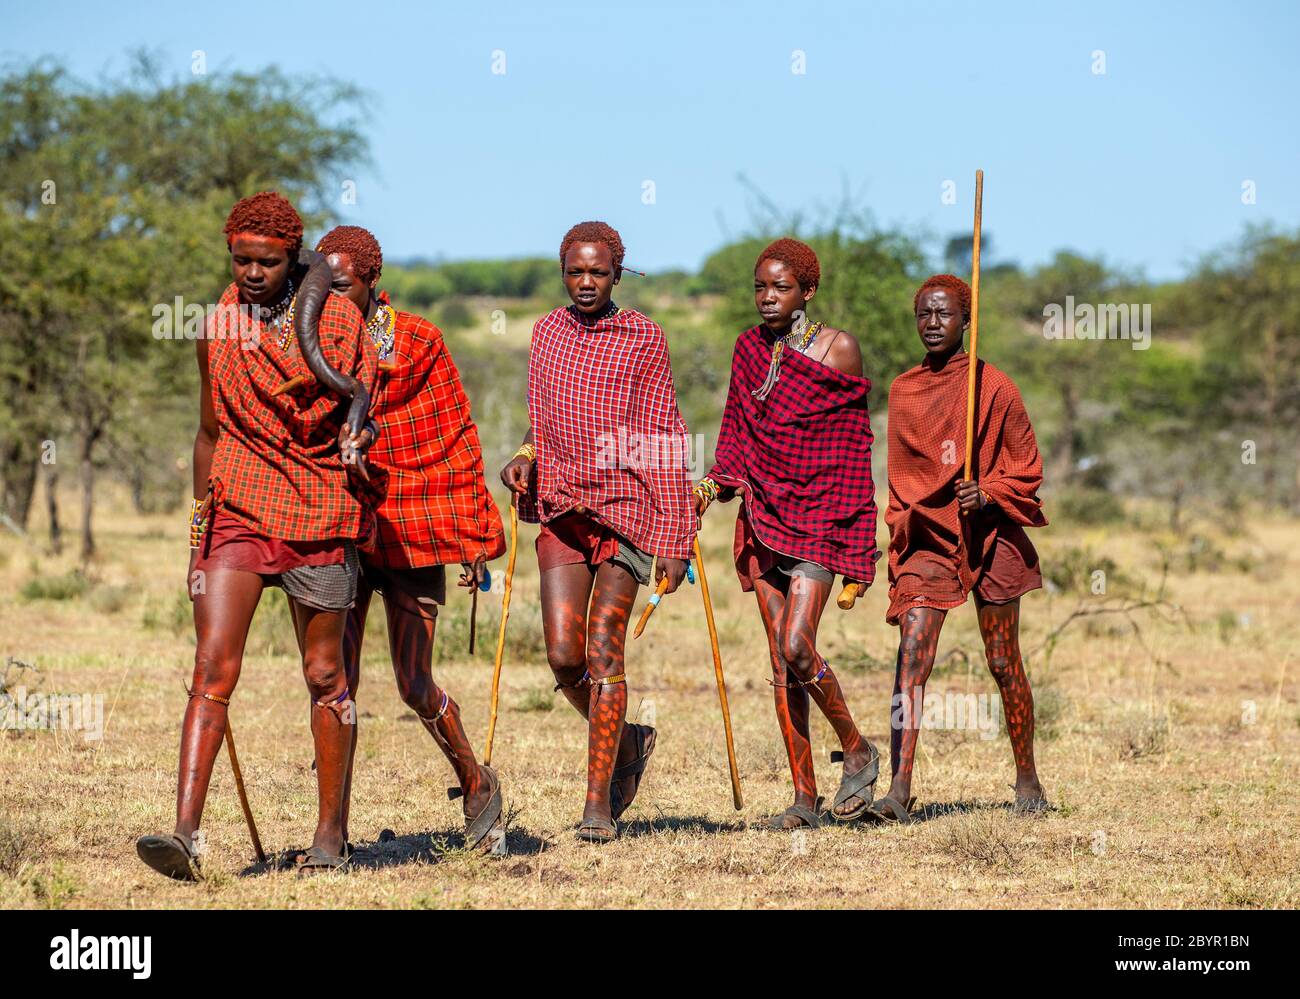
point(840, 350)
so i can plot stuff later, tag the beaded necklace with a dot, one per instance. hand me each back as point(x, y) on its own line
point(382, 330)
point(799, 338)
point(274, 317)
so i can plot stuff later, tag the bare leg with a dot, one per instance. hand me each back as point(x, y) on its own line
point(918, 639)
point(333, 715)
point(222, 615)
point(791, 700)
point(354, 633)
point(411, 627)
point(796, 646)
point(1000, 627)
point(611, 606)
point(566, 599)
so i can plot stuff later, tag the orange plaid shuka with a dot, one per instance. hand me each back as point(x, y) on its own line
point(437, 509)
point(277, 466)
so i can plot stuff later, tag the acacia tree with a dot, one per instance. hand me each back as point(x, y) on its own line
point(1248, 299)
point(112, 198)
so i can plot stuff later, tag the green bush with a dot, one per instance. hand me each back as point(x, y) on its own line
point(69, 586)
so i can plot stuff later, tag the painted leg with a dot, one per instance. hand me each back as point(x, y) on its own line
point(797, 647)
point(222, 615)
point(790, 699)
point(411, 628)
point(918, 639)
point(332, 718)
point(566, 592)
point(566, 596)
point(1000, 628)
point(611, 606)
point(354, 633)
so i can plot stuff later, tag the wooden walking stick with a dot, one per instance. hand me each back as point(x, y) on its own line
point(650, 606)
point(722, 683)
point(243, 796)
point(473, 614)
point(505, 615)
point(974, 325)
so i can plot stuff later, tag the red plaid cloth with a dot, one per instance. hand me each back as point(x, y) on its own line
point(437, 509)
point(276, 466)
point(803, 456)
point(608, 434)
point(927, 451)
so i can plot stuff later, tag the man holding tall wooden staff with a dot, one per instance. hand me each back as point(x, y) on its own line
point(953, 529)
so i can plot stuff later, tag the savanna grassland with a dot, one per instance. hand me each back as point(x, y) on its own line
point(1168, 740)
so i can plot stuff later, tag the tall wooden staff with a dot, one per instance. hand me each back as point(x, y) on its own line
point(974, 324)
point(505, 615)
point(722, 683)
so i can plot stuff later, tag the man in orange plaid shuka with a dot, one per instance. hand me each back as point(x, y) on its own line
point(436, 510)
point(273, 506)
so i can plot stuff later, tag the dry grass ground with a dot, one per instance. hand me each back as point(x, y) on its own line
point(1171, 754)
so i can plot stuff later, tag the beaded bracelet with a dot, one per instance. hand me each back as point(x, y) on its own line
point(706, 489)
point(528, 451)
point(198, 524)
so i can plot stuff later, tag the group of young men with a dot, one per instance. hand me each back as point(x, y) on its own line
point(288, 493)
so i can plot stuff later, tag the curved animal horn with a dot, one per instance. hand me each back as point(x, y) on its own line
point(307, 312)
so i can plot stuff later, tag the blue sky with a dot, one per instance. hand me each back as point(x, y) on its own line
point(1143, 164)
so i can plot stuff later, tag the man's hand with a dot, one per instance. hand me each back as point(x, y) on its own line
point(517, 474)
point(969, 497)
point(673, 568)
point(353, 448)
point(473, 573)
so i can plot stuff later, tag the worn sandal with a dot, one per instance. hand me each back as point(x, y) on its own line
point(645, 745)
point(480, 827)
point(169, 855)
point(887, 810)
point(314, 860)
point(809, 818)
point(596, 831)
point(854, 785)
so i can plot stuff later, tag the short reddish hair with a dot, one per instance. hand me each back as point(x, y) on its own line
point(948, 282)
point(594, 232)
point(360, 245)
point(799, 257)
point(266, 214)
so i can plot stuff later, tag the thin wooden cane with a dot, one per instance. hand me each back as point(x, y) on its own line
point(974, 325)
point(501, 634)
point(650, 606)
point(473, 614)
point(243, 796)
point(722, 683)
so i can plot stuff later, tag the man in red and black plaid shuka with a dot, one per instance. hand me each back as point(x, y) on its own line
point(603, 470)
point(435, 510)
point(273, 505)
point(795, 442)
